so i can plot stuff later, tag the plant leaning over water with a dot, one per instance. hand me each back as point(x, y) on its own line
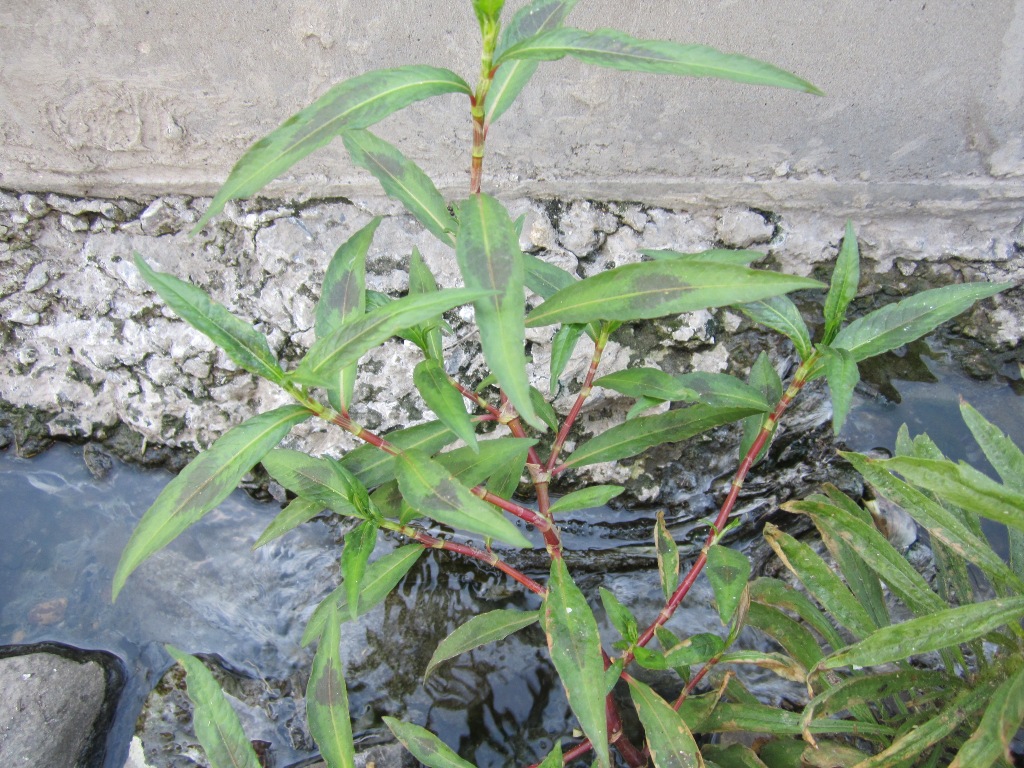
point(405, 483)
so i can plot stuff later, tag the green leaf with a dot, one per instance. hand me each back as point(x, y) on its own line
point(345, 345)
point(554, 758)
point(670, 741)
point(728, 571)
point(1000, 723)
point(647, 382)
point(668, 556)
point(763, 718)
point(575, 647)
point(510, 79)
point(765, 379)
point(641, 433)
point(776, 663)
point(490, 260)
point(478, 631)
point(723, 390)
point(695, 649)
point(472, 468)
point(374, 467)
point(243, 343)
point(641, 406)
point(780, 314)
point(292, 516)
point(204, 484)
point(942, 629)
point(562, 346)
point(431, 490)
point(545, 411)
point(791, 635)
point(504, 482)
point(216, 725)
point(874, 689)
point(586, 498)
point(327, 699)
point(657, 288)
point(381, 577)
point(824, 585)
point(843, 287)
point(897, 324)
point(610, 48)
point(544, 278)
point(773, 592)
point(714, 256)
point(443, 399)
point(403, 180)
point(831, 754)
point(359, 543)
point(322, 480)
point(620, 616)
point(842, 374)
point(425, 746)
point(356, 103)
point(421, 280)
point(733, 756)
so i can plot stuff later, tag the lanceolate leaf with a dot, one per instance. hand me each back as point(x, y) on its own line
point(586, 498)
point(790, 634)
point(575, 647)
point(425, 746)
point(562, 346)
point(776, 593)
point(765, 379)
point(647, 382)
point(344, 346)
point(431, 490)
point(216, 725)
point(490, 260)
point(292, 516)
point(641, 433)
point(942, 629)
point(356, 103)
point(373, 467)
point(243, 343)
point(722, 390)
point(204, 484)
point(658, 288)
point(1001, 721)
point(327, 698)
point(670, 741)
point(443, 399)
point(780, 314)
point(480, 630)
point(728, 571)
point(544, 278)
point(897, 324)
point(554, 758)
point(320, 479)
point(668, 556)
point(421, 280)
point(509, 80)
point(610, 48)
point(359, 543)
point(403, 180)
point(842, 374)
point(381, 577)
point(845, 279)
point(472, 468)
point(620, 616)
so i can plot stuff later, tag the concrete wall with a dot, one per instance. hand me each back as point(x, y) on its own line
point(924, 105)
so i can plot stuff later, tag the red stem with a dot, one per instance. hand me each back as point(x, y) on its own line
point(577, 406)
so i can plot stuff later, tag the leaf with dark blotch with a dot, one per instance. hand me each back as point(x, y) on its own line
point(780, 314)
point(373, 466)
point(575, 647)
point(216, 724)
point(897, 324)
point(425, 746)
point(292, 516)
point(668, 556)
point(443, 399)
point(327, 698)
point(403, 180)
point(478, 631)
point(510, 79)
point(641, 433)
point(490, 260)
point(237, 337)
point(728, 571)
point(472, 468)
point(658, 288)
point(204, 484)
point(649, 383)
point(359, 544)
point(354, 338)
point(941, 629)
point(611, 48)
point(356, 103)
point(843, 286)
point(586, 498)
point(381, 577)
point(320, 479)
point(668, 737)
point(1000, 723)
point(431, 490)
point(842, 375)
point(765, 379)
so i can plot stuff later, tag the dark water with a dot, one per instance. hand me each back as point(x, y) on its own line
point(207, 592)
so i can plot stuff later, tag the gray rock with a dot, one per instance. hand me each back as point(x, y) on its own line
point(34, 206)
point(56, 707)
point(742, 228)
point(166, 216)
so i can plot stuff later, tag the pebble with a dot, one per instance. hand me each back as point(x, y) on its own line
point(74, 223)
point(37, 277)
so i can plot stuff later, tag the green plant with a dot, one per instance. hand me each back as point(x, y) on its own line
point(404, 483)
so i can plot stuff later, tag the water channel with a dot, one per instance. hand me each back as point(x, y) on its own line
point(64, 530)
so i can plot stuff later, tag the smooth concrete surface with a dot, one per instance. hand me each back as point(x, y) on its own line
point(924, 104)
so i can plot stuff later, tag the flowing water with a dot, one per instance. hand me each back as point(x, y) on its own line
point(208, 592)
